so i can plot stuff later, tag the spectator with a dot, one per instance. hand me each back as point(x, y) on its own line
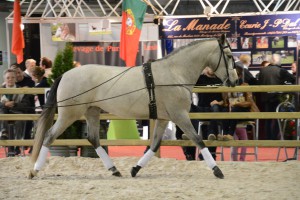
point(13, 104)
point(209, 102)
point(294, 68)
point(206, 102)
point(29, 64)
point(262, 65)
point(244, 63)
point(22, 79)
point(46, 64)
point(273, 74)
point(235, 102)
point(76, 64)
point(189, 152)
point(38, 75)
point(25, 81)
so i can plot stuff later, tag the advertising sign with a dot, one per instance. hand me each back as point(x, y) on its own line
point(235, 26)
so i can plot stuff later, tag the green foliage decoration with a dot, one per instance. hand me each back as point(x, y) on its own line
point(63, 62)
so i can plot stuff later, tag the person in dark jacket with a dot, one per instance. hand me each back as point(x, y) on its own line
point(273, 74)
point(13, 104)
point(244, 62)
point(38, 75)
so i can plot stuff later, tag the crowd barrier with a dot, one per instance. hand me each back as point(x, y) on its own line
point(240, 115)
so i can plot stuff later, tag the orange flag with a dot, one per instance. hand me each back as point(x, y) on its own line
point(17, 38)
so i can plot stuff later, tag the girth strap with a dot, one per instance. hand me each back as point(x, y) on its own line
point(150, 86)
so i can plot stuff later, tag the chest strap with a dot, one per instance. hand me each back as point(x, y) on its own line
point(150, 86)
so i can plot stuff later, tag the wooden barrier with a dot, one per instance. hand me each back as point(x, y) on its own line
point(197, 89)
point(131, 142)
point(240, 115)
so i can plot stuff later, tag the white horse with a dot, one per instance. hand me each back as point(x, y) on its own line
point(91, 89)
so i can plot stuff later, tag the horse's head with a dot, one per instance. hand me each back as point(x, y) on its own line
point(222, 63)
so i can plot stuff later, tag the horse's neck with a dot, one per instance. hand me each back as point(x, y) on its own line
point(188, 64)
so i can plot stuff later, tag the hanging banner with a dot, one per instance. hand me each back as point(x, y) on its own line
point(107, 53)
point(269, 25)
point(235, 26)
point(183, 28)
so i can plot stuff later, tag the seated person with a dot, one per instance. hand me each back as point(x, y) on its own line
point(236, 102)
point(13, 104)
point(240, 134)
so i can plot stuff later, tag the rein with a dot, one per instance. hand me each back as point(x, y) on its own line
point(150, 86)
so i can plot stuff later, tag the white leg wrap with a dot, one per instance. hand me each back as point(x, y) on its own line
point(105, 158)
point(41, 159)
point(145, 159)
point(208, 158)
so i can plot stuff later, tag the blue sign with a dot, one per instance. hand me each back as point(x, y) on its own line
point(269, 25)
point(245, 26)
point(180, 28)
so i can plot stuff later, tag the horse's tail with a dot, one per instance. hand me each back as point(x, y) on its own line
point(45, 120)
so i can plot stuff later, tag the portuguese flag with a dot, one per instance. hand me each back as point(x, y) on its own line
point(17, 35)
point(133, 12)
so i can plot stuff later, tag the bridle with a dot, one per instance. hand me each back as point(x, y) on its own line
point(222, 54)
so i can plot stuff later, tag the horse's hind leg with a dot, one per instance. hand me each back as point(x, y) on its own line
point(92, 118)
point(61, 124)
point(159, 129)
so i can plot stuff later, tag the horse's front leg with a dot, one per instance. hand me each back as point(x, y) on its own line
point(186, 126)
point(159, 129)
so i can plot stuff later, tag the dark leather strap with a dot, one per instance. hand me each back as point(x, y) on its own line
point(150, 86)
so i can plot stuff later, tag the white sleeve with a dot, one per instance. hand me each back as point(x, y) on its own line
point(195, 99)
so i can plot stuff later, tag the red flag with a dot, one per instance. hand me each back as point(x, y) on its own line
point(17, 37)
point(133, 12)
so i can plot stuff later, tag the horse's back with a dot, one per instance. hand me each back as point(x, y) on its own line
point(110, 88)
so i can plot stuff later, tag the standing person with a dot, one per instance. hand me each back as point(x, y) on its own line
point(244, 63)
point(25, 81)
point(13, 104)
point(46, 64)
point(22, 79)
point(189, 152)
point(205, 102)
point(38, 75)
point(294, 68)
point(262, 65)
point(29, 64)
point(210, 102)
point(273, 74)
point(76, 64)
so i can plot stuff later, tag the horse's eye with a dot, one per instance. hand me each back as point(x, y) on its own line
point(229, 56)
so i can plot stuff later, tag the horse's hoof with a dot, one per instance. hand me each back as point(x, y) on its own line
point(218, 173)
point(32, 173)
point(135, 170)
point(115, 172)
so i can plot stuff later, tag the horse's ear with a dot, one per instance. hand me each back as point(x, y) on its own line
point(223, 39)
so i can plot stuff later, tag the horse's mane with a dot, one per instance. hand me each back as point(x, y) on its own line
point(186, 46)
